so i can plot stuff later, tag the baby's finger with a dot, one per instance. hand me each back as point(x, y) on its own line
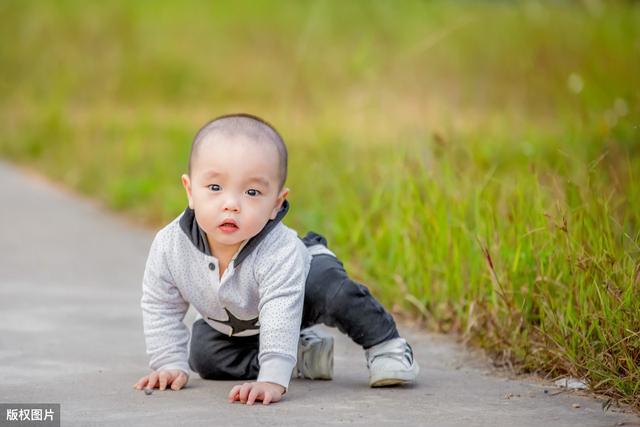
point(153, 379)
point(164, 376)
point(253, 394)
point(233, 394)
point(244, 392)
point(179, 382)
point(267, 398)
point(141, 382)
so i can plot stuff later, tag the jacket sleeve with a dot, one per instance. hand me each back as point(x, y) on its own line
point(163, 311)
point(281, 272)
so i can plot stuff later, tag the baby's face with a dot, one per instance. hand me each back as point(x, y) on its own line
point(233, 179)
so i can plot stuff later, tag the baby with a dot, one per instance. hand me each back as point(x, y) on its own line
point(257, 287)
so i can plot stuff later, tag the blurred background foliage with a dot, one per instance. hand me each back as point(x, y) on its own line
point(476, 164)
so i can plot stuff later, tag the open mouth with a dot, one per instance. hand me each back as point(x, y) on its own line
point(228, 226)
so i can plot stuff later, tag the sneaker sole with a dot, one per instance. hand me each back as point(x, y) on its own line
point(395, 378)
point(388, 382)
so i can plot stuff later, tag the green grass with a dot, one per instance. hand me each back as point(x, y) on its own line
point(475, 164)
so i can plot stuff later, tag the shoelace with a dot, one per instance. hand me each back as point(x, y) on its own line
point(400, 354)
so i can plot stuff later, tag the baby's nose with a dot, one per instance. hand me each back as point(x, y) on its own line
point(231, 204)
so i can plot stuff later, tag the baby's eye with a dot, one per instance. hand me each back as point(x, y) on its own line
point(216, 187)
point(253, 192)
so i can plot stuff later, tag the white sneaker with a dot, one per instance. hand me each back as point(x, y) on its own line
point(315, 355)
point(391, 363)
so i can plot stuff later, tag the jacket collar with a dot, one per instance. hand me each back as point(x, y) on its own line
point(198, 237)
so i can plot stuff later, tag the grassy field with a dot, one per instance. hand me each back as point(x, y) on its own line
point(476, 164)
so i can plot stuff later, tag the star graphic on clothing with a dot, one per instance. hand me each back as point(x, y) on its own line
point(237, 325)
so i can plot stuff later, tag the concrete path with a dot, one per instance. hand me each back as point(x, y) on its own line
point(71, 333)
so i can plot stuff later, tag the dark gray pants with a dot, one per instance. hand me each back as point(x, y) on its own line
point(331, 298)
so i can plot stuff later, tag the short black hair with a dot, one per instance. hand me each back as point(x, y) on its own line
point(249, 125)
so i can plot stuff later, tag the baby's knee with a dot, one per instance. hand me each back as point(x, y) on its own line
point(350, 293)
point(224, 364)
point(198, 363)
point(205, 367)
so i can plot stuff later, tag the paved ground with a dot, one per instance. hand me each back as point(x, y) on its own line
point(71, 333)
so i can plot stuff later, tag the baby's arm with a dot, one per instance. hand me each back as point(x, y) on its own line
point(281, 275)
point(166, 335)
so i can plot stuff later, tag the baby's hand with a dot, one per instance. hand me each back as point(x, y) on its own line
point(173, 377)
point(249, 392)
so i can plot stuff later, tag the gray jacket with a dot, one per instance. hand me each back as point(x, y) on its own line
point(261, 291)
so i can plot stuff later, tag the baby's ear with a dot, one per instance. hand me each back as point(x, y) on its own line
point(280, 200)
point(283, 195)
point(187, 186)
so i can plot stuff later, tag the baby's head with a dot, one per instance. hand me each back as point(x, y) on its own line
point(237, 172)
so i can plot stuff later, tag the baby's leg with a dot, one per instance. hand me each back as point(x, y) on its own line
point(216, 356)
point(332, 298)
